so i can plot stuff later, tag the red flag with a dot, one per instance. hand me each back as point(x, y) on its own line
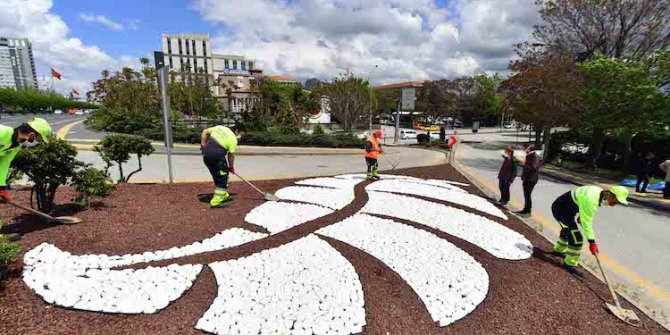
point(55, 74)
point(75, 92)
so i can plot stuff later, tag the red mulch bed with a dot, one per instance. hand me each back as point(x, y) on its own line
point(526, 297)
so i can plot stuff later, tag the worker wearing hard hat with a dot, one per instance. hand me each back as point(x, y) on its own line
point(372, 151)
point(579, 206)
point(12, 140)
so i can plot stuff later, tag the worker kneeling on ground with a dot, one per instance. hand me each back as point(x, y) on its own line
point(372, 151)
point(218, 145)
point(580, 206)
point(12, 140)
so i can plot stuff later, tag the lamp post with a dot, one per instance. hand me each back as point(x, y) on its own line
point(370, 111)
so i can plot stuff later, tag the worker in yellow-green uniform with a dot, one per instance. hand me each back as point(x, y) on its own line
point(579, 206)
point(218, 145)
point(12, 140)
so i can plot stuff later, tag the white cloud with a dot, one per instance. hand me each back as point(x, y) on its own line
point(407, 39)
point(79, 63)
point(101, 19)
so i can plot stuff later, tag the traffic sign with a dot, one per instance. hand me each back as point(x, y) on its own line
point(452, 141)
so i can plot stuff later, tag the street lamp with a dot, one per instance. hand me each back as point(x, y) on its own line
point(370, 111)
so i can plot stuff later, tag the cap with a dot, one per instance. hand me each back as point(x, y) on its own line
point(378, 134)
point(42, 127)
point(621, 194)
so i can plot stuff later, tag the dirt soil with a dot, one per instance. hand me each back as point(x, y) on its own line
point(531, 296)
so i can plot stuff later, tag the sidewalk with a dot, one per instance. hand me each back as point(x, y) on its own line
point(651, 200)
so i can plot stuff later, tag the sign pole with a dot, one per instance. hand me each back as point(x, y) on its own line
point(163, 73)
point(396, 136)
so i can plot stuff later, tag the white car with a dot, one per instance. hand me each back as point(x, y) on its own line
point(78, 113)
point(58, 112)
point(408, 134)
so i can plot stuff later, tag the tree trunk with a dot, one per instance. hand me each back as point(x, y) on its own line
point(538, 138)
point(545, 145)
point(627, 140)
point(596, 146)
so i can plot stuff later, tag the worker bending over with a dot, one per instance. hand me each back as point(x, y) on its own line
point(372, 151)
point(580, 206)
point(12, 140)
point(218, 145)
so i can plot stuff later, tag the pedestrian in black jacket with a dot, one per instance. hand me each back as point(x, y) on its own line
point(507, 174)
point(645, 168)
point(530, 177)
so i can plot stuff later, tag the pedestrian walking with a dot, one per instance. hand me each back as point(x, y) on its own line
point(665, 166)
point(507, 174)
point(529, 177)
point(645, 168)
point(579, 206)
point(218, 145)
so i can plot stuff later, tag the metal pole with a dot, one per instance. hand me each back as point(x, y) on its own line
point(396, 136)
point(165, 106)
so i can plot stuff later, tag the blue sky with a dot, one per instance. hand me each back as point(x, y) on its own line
point(384, 40)
point(143, 23)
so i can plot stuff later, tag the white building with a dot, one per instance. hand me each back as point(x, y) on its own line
point(17, 66)
point(231, 74)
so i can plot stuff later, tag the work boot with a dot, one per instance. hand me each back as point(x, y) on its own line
point(220, 197)
point(558, 254)
point(375, 178)
point(524, 213)
point(573, 270)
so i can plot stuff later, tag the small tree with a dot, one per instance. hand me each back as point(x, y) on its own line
point(91, 182)
point(118, 148)
point(8, 254)
point(48, 166)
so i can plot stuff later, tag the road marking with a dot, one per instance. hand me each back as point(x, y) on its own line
point(622, 270)
point(66, 128)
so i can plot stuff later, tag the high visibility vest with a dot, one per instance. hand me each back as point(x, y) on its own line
point(7, 153)
point(225, 137)
point(374, 153)
point(588, 200)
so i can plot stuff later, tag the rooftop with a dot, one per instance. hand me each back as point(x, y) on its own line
point(399, 85)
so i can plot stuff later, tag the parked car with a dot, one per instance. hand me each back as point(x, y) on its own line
point(78, 113)
point(58, 112)
point(408, 134)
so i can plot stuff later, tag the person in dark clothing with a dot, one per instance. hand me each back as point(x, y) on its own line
point(506, 175)
point(645, 169)
point(530, 177)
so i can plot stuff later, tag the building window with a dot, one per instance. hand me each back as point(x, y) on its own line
point(206, 71)
point(188, 49)
point(251, 65)
point(244, 65)
point(171, 66)
point(179, 42)
point(234, 65)
point(225, 64)
point(193, 47)
point(169, 43)
point(204, 48)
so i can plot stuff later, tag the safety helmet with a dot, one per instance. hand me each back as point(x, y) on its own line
point(621, 193)
point(378, 134)
point(42, 127)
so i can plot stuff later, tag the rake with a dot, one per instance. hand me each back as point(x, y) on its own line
point(59, 219)
point(625, 315)
point(267, 196)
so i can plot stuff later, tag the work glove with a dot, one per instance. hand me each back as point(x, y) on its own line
point(4, 196)
point(232, 170)
point(593, 246)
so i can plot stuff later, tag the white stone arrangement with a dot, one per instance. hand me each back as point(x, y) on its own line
point(279, 216)
point(60, 281)
point(303, 287)
point(489, 235)
point(449, 281)
point(338, 183)
point(456, 196)
point(328, 197)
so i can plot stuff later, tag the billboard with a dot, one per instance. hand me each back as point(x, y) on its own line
point(408, 98)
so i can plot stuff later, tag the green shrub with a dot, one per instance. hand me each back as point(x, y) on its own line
point(277, 138)
point(318, 130)
point(8, 250)
point(118, 148)
point(48, 166)
point(91, 182)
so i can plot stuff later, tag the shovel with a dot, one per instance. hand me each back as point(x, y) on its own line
point(625, 315)
point(59, 219)
point(268, 196)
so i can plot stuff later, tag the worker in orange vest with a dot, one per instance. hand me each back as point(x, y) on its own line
point(372, 151)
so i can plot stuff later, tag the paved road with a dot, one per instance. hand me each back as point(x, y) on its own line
point(56, 121)
point(635, 240)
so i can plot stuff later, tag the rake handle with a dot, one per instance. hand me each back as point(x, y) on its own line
point(250, 184)
point(602, 270)
point(32, 211)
